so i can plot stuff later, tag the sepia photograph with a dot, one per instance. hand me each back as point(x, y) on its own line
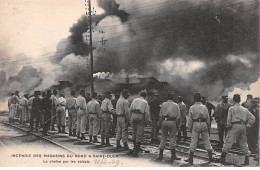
point(129, 83)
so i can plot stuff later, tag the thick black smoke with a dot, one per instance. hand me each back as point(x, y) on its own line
point(223, 35)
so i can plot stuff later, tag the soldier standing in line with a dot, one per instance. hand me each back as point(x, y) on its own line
point(140, 116)
point(81, 107)
point(9, 106)
point(170, 121)
point(72, 113)
point(54, 107)
point(36, 107)
point(107, 110)
point(61, 114)
point(100, 99)
point(30, 106)
point(155, 111)
point(47, 105)
point(221, 114)
point(210, 108)
point(23, 105)
point(239, 118)
point(183, 110)
point(122, 111)
point(13, 106)
point(247, 103)
point(88, 98)
point(94, 111)
point(198, 123)
point(113, 127)
point(253, 131)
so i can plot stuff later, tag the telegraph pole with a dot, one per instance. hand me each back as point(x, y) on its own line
point(91, 47)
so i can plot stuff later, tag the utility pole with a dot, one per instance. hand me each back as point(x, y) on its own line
point(91, 47)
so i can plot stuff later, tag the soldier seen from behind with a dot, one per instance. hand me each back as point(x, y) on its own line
point(94, 113)
point(123, 120)
point(47, 106)
point(140, 116)
point(239, 118)
point(72, 113)
point(107, 110)
point(221, 114)
point(155, 111)
point(183, 110)
point(198, 124)
point(36, 110)
point(170, 122)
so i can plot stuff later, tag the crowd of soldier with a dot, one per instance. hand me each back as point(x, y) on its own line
point(235, 123)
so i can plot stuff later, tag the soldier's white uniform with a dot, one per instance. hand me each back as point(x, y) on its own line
point(237, 120)
point(94, 112)
point(13, 107)
point(170, 113)
point(140, 115)
point(198, 123)
point(122, 111)
point(30, 107)
point(107, 110)
point(53, 110)
point(81, 107)
point(61, 115)
point(23, 104)
point(72, 113)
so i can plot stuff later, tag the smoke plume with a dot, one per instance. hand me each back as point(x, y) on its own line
point(207, 46)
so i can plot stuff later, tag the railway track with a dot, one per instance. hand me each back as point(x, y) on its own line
point(39, 136)
point(235, 159)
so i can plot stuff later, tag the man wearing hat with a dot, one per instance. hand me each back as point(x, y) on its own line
point(107, 110)
point(36, 107)
point(54, 107)
point(183, 110)
point(14, 101)
point(72, 113)
point(253, 131)
point(140, 116)
point(47, 106)
point(247, 103)
point(23, 105)
point(198, 123)
point(239, 118)
point(155, 111)
point(122, 112)
point(170, 122)
point(221, 114)
point(94, 112)
point(81, 107)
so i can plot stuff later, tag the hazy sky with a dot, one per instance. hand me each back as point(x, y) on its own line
point(34, 27)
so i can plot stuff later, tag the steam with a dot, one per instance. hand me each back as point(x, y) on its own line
point(206, 46)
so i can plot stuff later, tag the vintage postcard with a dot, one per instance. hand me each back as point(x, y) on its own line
point(129, 83)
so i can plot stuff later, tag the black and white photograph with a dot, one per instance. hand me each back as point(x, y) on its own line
point(129, 83)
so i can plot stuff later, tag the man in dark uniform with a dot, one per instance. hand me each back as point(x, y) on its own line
point(253, 131)
point(155, 112)
point(47, 106)
point(113, 127)
point(36, 107)
point(210, 108)
point(221, 114)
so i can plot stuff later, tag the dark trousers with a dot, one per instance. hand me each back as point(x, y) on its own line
point(184, 132)
point(221, 131)
point(46, 122)
point(114, 123)
point(155, 130)
point(35, 115)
